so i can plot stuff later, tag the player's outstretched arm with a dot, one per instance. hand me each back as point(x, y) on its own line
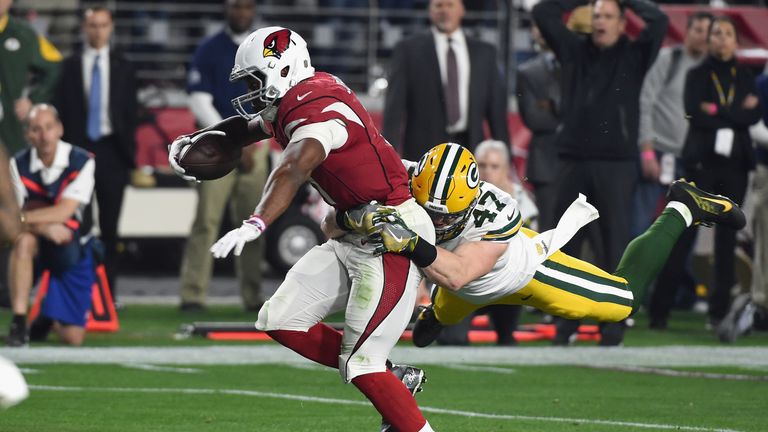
point(296, 165)
point(451, 270)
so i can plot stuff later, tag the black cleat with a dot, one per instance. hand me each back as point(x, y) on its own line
point(427, 328)
point(413, 378)
point(17, 335)
point(706, 208)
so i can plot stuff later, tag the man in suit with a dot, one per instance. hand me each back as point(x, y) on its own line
point(96, 97)
point(442, 86)
point(538, 97)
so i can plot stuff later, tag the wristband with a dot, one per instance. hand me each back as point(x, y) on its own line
point(712, 109)
point(256, 221)
point(423, 253)
point(648, 154)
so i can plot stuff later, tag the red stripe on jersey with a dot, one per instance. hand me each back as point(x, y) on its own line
point(34, 187)
point(70, 178)
point(395, 277)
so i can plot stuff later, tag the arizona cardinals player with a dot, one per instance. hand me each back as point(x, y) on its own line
point(330, 140)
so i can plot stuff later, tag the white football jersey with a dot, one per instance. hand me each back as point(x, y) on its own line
point(496, 218)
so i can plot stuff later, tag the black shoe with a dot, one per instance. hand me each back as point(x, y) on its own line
point(566, 332)
point(40, 328)
point(706, 208)
point(739, 319)
point(413, 378)
point(657, 323)
point(427, 328)
point(17, 335)
point(612, 333)
point(192, 307)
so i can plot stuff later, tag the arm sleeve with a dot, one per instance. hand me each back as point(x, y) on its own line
point(655, 30)
point(201, 105)
point(652, 86)
point(548, 15)
point(81, 188)
point(18, 187)
point(332, 134)
point(46, 61)
point(396, 98)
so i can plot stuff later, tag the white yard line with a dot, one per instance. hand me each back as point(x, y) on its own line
point(156, 368)
point(334, 401)
point(672, 356)
point(473, 368)
point(685, 374)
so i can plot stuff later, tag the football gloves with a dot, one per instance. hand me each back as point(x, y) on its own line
point(363, 218)
point(236, 239)
point(179, 146)
point(392, 235)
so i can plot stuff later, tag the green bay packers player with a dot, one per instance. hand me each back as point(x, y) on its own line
point(484, 255)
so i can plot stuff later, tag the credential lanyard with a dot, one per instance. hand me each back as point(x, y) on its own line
point(725, 100)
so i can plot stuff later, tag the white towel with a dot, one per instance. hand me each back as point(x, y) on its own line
point(578, 214)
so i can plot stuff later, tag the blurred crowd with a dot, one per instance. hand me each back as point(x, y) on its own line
point(611, 117)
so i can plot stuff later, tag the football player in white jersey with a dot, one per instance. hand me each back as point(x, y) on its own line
point(483, 255)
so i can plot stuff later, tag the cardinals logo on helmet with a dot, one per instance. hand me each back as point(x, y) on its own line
point(276, 43)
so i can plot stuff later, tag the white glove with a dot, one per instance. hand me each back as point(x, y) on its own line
point(180, 146)
point(236, 239)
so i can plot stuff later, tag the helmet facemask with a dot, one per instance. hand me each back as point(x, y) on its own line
point(450, 225)
point(262, 100)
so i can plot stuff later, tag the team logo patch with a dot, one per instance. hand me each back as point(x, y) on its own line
point(473, 176)
point(276, 43)
point(12, 44)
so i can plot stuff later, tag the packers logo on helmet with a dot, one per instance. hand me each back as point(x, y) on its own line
point(446, 182)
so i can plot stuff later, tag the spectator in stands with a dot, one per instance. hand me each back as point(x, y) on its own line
point(53, 181)
point(23, 55)
point(493, 162)
point(442, 86)
point(96, 97)
point(210, 95)
point(749, 310)
point(661, 139)
point(538, 99)
point(602, 77)
point(721, 104)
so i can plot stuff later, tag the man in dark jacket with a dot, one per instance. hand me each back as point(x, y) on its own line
point(602, 75)
point(96, 97)
point(443, 85)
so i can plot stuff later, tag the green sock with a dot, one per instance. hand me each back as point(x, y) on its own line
point(645, 256)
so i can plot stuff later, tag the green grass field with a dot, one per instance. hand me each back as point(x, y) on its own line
point(192, 395)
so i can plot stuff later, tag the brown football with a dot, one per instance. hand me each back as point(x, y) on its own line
point(211, 155)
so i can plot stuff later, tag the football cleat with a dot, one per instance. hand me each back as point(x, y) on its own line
point(426, 328)
point(17, 335)
point(413, 378)
point(706, 208)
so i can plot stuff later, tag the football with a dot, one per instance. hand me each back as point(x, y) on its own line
point(14, 388)
point(215, 153)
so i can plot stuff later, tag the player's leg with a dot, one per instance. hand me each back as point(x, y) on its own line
point(20, 276)
point(446, 309)
point(646, 255)
point(197, 263)
point(314, 288)
point(381, 300)
point(570, 288)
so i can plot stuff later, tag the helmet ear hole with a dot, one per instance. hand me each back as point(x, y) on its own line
point(284, 71)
